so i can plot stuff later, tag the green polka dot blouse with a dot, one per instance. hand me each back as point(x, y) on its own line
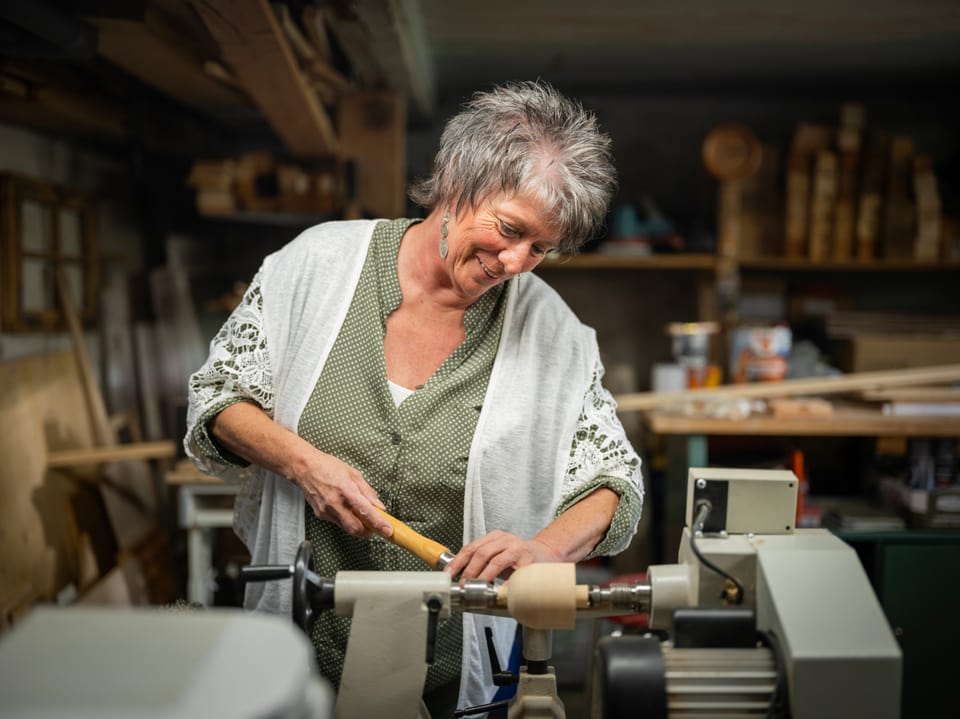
point(414, 455)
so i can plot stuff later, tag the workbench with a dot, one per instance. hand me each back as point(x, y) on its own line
point(204, 504)
point(685, 438)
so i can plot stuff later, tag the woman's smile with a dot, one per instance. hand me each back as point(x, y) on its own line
point(492, 275)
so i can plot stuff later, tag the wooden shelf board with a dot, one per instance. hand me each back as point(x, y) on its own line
point(845, 422)
point(601, 261)
point(707, 261)
point(802, 265)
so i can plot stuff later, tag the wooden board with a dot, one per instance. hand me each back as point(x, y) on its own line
point(160, 449)
point(845, 422)
point(918, 376)
point(253, 43)
point(129, 491)
point(163, 61)
point(913, 394)
point(41, 405)
point(802, 407)
point(373, 136)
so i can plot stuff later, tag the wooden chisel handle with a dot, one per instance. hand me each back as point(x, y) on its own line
point(431, 552)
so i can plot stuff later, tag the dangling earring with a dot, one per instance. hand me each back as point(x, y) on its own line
point(443, 235)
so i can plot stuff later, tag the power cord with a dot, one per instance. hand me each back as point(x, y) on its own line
point(732, 591)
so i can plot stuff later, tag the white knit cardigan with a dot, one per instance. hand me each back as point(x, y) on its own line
point(518, 467)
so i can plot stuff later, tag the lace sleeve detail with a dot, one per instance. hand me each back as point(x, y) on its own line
point(237, 369)
point(601, 456)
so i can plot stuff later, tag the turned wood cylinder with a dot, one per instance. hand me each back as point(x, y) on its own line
point(545, 596)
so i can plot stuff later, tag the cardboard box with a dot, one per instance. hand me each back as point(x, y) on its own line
point(868, 352)
point(934, 508)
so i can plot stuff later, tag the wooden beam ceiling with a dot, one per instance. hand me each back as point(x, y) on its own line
point(253, 43)
point(155, 53)
point(393, 32)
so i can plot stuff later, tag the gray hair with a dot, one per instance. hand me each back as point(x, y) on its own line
point(525, 138)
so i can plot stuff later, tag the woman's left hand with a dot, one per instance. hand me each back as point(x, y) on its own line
point(498, 554)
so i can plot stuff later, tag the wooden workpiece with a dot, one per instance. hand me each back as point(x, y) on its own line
point(544, 596)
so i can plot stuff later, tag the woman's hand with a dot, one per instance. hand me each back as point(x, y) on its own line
point(568, 538)
point(338, 493)
point(497, 555)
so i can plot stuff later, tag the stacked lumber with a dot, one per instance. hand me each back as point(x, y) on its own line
point(859, 193)
point(344, 134)
point(258, 182)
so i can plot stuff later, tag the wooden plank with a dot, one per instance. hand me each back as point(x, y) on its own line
point(807, 140)
point(182, 348)
point(899, 211)
point(373, 136)
point(315, 25)
point(164, 62)
point(762, 207)
point(849, 139)
point(912, 394)
point(99, 420)
point(804, 407)
point(162, 449)
point(823, 200)
point(128, 490)
point(395, 34)
point(254, 45)
point(792, 387)
point(301, 46)
point(186, 472)
point(926, 193)
point(353, 38)
point(845, 422)
point(63, 105)
point(873, 175)
point(41, 405)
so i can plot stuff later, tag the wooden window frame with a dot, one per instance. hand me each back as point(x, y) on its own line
point(16, 192)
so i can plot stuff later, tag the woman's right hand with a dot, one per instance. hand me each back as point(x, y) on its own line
point(338, 493)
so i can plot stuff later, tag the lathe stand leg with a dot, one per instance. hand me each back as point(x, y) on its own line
point(537, 696)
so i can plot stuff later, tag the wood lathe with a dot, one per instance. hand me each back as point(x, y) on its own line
point(756, 619)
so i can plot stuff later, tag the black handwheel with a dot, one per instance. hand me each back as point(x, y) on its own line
point(302, 569)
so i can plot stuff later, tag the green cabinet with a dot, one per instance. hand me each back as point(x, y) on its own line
point(916, 575)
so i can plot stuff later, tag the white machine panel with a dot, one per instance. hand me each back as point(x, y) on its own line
point(843, 660)
point(744, 501)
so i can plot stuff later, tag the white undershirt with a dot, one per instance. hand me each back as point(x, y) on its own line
point(398, 393)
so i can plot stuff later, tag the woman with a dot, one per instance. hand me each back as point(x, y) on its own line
point(417, 367)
